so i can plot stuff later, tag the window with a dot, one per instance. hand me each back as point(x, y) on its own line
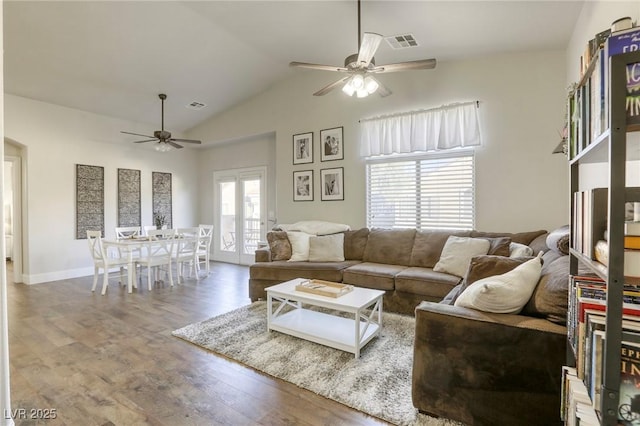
point(429, 191)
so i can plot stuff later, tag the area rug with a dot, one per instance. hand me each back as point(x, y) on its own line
point(378, 383)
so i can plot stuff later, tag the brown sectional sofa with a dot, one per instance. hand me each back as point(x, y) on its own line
point(475, 367)
point(399, 261)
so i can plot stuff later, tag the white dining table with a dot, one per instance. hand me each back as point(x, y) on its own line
point(129, 246)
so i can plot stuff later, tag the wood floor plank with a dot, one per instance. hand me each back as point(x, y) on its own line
point(111, 360)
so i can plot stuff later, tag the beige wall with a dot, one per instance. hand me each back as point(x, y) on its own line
point(520, 184)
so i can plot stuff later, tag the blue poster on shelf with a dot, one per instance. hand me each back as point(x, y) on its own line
point(623, 42)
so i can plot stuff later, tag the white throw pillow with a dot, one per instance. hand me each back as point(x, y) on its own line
point(519, 250)
point(299, 246)
point(503, 294)
point(457, 254)
point(327, 248)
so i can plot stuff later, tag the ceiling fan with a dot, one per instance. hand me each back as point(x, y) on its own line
point(163, 137)
point(361, 65)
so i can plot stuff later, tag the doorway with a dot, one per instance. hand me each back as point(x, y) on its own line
point(13, 216)
point(239, 214)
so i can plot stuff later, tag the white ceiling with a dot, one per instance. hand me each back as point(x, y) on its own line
point(114, 57)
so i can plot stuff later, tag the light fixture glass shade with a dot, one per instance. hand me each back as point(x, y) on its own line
point(357, 81)
point(362, 93)
point(370, 85)
point(162, 147)
point(348, 88)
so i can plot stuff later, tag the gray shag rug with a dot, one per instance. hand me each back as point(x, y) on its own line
point(378, 383)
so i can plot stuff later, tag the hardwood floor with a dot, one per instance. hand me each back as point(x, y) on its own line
point(111, 360)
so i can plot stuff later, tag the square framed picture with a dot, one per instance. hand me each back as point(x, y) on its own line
point(303, 148)
point(332, 181)
point(332, 145)
point(303, 185)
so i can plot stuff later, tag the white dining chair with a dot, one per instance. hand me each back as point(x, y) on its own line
point(148, 228)
point(127, 232)
point(103, 260)
point(186, 251)
point(158, 256)
point(204, 246)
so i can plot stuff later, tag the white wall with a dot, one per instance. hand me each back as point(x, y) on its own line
point(55, 140)
point(520, 184)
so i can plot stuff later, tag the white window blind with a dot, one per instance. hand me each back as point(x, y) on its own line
point(431, 191)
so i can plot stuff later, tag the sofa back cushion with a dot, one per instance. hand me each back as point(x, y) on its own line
point(355, 243)
point(550, 298)
point(427, 246)
point(518, 237)
point(391, 246)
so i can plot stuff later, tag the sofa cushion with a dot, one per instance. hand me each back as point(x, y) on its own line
point(539, 244)
point(283, 270)
point(425, 281)
point(518, 237)
point(372, 275)
point(354, 243)
point(520, 250)
point(428, 245)
point(505, 294)
point(391, 246)
point(498, 246)
point(550, 297)
point(279, 245)
point(558, 240)
point(326, 248)
point(457, 254)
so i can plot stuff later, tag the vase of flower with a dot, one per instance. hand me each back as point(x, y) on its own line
point(159, 220)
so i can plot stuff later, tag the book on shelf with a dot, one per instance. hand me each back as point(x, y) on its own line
point(629, 402)
point(632, 228)
point(622, 42)
point(631, 259)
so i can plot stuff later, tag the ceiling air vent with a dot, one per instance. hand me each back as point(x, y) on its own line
point(402, 41)
point(196, 105)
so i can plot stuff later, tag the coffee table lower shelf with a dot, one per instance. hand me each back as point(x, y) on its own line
point(325, 329)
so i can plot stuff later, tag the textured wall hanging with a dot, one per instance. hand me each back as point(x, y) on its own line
point(162, 198)
point(129, 197)
point(89, 200)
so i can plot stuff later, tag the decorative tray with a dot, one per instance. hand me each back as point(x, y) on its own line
point(324, 288)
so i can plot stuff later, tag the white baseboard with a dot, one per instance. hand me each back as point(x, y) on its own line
point(56, 276)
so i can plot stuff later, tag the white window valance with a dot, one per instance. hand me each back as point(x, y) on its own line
point(445, 127)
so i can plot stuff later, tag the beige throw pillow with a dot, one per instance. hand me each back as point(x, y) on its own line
point(299, 246)
point(327, 248)
point(503, 294)
point(457, 254)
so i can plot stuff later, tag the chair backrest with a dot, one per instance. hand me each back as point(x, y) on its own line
point(148, 228)
point(127, 231)
point(206, 235)
point(95, 245)
point(188, 232)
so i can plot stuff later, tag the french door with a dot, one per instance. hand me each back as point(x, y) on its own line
point(239, 212)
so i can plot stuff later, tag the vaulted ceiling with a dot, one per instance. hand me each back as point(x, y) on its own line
point(114, 57)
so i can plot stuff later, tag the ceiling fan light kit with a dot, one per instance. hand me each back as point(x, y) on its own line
point(360, 64)
point(163, 137)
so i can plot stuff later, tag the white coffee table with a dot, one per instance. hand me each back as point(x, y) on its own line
point(346, 334)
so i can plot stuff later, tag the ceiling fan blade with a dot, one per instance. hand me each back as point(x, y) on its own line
point(383, 90)
point(146, 140)
point(329, 87)
point(423, 64)
point(317, 66)
point(185, 140)
point(136, 134)
point(370, 43)
point(173, 144)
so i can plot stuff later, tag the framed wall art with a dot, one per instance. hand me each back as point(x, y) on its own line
point(129, 197)
point(303, 185)
point(89, 200)
point(332, 182)
point(332, 145)
point(162, 198)
point(303, 148)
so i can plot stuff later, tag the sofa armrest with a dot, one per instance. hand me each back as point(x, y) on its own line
point(263, 255)
point(482, 368)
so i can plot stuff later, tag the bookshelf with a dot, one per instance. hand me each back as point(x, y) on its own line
point(600, 135)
